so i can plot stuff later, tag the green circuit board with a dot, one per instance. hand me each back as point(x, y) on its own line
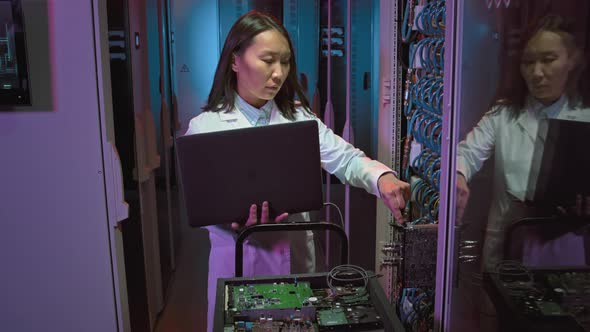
point(332, 317)
point(271, 296)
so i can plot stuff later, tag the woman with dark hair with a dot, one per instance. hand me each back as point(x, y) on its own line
point(550, 67)
point(516, 87)
point(255, 84)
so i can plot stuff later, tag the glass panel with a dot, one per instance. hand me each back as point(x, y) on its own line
point(14, 85)
point(522, 185)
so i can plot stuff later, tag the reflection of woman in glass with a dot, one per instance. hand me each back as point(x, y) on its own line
point(550, 66)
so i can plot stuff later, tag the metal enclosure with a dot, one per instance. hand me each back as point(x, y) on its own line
point(61, 195)
point(484, 40)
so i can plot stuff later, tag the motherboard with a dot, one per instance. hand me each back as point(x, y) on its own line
point(296, 306)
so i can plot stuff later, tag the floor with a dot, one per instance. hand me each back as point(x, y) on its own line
point(186, 303)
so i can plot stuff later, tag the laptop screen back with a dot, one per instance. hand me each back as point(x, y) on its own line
point(222, 173)
point(560, 168)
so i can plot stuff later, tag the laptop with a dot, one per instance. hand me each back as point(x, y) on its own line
point(222, 173)
point(560, 168)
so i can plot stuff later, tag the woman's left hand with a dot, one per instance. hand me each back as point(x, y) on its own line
point(395, 194)
point(253, 217)
point(581, 207)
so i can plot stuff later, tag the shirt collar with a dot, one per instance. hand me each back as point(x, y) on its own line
point(550, 111)
point(256, 116)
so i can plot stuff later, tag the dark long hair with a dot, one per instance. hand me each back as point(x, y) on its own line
point(238, 40)
point(512, 90)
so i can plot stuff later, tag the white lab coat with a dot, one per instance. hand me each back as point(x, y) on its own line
point(511, 139)
point(271, 253)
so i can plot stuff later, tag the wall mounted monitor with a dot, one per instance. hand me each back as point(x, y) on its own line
point(14, 80)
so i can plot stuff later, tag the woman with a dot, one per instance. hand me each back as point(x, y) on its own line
point(255, 84)
point(550, 66)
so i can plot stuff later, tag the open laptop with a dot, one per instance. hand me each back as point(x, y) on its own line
point(560, 168)
point(222, 173)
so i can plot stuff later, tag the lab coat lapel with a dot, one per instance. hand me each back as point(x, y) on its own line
point(275, 116)
point(527, 121)
point(575, 113)
point(233, 119)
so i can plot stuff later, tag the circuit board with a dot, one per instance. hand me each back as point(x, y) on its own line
point(555, 297)
point(271, 326)
point(419, 252)
point(271, 296)
point(269, 302)
point(571, 289)
point(295, 306)
point(339, 319)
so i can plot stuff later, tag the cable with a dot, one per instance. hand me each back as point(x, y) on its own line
point(339, 212)
point(334, 275)
point(423, 108)
point(407, 21)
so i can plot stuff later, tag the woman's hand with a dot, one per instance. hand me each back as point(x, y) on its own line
point(581, 207)
point(253, 218)
point(395, 193)
point(462, 191)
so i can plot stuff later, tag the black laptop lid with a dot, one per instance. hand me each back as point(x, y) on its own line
point(561, 163)
point(222, 173)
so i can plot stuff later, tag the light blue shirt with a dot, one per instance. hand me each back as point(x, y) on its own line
point(256, 116)
point(550, 112)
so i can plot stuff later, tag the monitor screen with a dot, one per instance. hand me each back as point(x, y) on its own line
point(14, 81)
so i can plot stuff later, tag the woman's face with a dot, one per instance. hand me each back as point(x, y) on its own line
point(545, 66)
point(262, 68)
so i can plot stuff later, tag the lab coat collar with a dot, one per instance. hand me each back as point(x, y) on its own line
point(528, 119)
point(233, 118)
point(275, 115)
point(232, 114)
